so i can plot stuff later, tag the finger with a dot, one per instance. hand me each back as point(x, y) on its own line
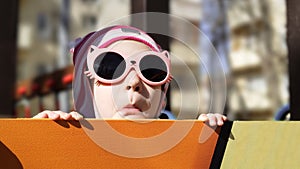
point(41, 115)
point(46, 114)
point(219, 119)
point(63, 115)
point(224, 118)
point(76, 115)
point(203, 117)
point(53, 115)
point(212, 120)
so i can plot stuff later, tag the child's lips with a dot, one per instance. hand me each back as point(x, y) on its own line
point(130, 110)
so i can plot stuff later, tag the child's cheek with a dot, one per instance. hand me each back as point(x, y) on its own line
point(103, 96)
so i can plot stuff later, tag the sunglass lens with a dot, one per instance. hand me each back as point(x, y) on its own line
point(153, 68)
point(109, 65)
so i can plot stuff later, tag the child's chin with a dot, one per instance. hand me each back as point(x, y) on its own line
point(135, 116)
point(129, 116)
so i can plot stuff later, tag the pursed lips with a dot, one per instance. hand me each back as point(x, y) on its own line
point(130, 110)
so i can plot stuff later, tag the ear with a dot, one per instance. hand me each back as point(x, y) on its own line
point(166, 53)
point(92, 49)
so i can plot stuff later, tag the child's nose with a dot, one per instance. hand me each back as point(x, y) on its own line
point(135, 83)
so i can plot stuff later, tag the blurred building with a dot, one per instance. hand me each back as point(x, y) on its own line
point(258, 58)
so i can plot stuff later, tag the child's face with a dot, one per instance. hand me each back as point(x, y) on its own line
point(132, 98)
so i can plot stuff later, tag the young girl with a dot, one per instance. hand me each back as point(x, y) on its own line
point(120, 73)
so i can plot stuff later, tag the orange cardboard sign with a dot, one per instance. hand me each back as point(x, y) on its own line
point(32, 143)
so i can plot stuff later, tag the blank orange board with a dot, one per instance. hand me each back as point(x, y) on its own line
point(31, 143)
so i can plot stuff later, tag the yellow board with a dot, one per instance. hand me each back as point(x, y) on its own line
point(263, 145)
point(31, 143)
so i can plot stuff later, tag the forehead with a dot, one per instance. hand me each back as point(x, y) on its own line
point(129, 47)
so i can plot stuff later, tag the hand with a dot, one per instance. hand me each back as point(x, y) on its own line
point(213, 119)
point(59, 115)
